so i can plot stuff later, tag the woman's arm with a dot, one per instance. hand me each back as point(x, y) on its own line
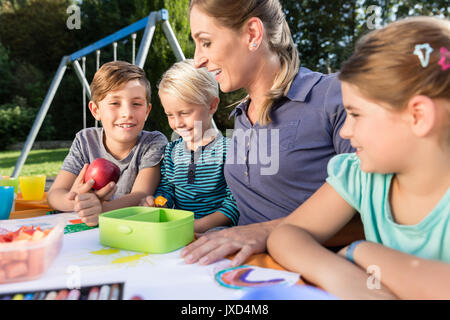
point(408, 276)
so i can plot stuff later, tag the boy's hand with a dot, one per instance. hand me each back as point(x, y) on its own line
point(105, 193)
point(148, 201)
point(80, 187)
point(88, 206)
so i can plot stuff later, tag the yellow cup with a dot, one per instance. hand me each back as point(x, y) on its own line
point(32, 187)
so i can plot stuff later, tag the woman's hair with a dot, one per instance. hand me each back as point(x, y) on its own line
point(234, 13)
point(192, 85)
point(113, 76)
point(386, 65)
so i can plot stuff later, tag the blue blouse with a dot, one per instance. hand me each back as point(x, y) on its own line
point(273, 169)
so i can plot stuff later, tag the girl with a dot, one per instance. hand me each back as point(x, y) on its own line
point(396, 91)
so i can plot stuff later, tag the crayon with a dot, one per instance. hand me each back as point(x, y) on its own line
point(39, 295)
point(18, 296)
point(62, 295)
point(28, 296)
point(51, 295)
point(114, 295)
point(74, 294)
point(104, 293)
point(93, 294)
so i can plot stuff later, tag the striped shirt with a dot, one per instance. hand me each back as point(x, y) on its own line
point(194, 181)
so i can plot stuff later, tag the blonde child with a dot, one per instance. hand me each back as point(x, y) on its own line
point(396, 91)
point(121, 101)
point(192, 168)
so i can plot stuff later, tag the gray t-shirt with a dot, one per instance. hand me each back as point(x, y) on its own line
point(88, 146)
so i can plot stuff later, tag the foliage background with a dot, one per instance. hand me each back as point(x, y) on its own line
point(34, 37)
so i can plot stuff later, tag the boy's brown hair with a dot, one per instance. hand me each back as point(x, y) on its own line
point(114, 75)
point(386, 68)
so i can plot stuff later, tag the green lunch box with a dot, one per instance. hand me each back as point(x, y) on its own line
point(144, 229)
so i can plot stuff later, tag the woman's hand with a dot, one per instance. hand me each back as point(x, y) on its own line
point(213, 246)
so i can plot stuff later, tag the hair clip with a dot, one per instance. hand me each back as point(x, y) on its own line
point(424, 59)
point(445, 58)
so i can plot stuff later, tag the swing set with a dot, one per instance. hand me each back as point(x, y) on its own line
point(149, 23)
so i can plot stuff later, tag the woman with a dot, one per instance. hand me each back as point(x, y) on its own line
point(286, 130)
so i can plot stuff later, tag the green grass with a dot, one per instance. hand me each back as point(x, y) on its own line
point(46, 162)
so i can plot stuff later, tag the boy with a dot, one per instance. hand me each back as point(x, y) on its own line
point(192, 169)
point(121, 101)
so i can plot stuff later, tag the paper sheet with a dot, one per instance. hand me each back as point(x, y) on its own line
point(84, 261)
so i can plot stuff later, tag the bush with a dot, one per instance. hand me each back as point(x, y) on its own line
point(16, 123)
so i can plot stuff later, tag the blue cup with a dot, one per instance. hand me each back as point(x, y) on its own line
point(6, 201)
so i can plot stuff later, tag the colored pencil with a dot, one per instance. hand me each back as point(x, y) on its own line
point(93, 294)
point(28, 296)
point(104, 293)
point(62, 295)
point(39, 295)
point(114, 295)
point(74, 294)
point(51, 295)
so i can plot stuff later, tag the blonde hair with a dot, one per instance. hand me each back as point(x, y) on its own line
point(234, 13)
point(192, 85)
point(113, 76)
point(386, 69)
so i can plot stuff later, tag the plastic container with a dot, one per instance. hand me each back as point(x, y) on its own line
point(144, 229)
point(27, 260)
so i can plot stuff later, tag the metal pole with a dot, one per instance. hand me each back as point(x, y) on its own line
point(40, 117)
point(172, 41)
point(133, 50)
point(147, 39)
point(84, 93)
point(115, 50)
point(97, 52)
point(82, 78)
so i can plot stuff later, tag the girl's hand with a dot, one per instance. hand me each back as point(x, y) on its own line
point(88, 206)
point(343, 251)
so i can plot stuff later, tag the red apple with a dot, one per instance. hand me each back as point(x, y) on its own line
point(103, 172)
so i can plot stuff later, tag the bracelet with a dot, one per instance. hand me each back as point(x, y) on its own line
point(351, 248)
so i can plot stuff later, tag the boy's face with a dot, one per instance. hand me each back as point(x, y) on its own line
point(190, 121)
point(123, 112)
point(382, 138)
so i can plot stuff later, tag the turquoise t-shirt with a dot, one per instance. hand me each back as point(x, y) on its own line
point(368, 193)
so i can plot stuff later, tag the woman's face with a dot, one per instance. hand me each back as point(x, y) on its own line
point(222, 51)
